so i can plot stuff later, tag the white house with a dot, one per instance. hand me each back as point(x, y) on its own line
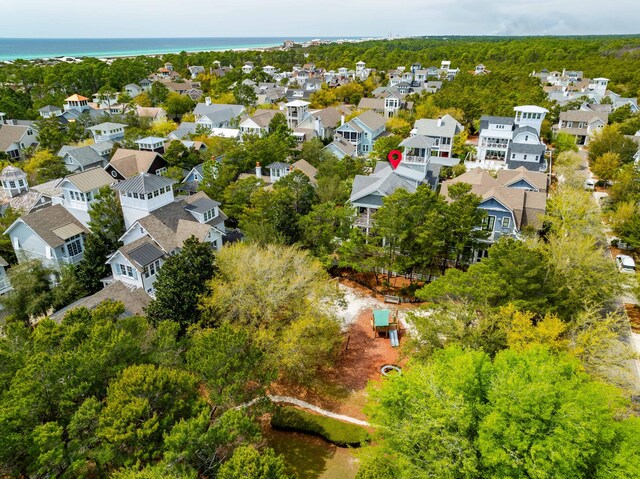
point(150, 239)
point(511, 142)
point(582, 124)
point(296, 110)
point(79, 191)
point(258, 123)
point(142, 194)
point(80, 158)
point(107, 131)
point(151, 143)
point(441, 130)
point(49, 111)
point(76, 102)
point(51, 235)
point(247, 68)
point(15, 138)
point(214, 115)
point(133, 90)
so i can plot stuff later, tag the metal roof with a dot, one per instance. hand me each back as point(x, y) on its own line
point(143, 183)
point(145, 254)
point(67, 231)
point(91, 179)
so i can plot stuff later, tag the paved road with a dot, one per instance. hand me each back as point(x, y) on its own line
point(632, 339)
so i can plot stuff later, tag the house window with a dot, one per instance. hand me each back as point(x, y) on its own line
point(141, 230)
point(74, 246)
point(488, 223)
point(156, 193)
point(12, 184)
point(525, 157)
point(160, 171)
point(126, 270)
point(506, 222)
point(114, 173)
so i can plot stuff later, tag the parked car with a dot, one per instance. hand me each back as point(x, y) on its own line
point(625, 263)
point(590, 184)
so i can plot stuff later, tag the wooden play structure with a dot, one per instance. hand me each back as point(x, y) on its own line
point(383, 323)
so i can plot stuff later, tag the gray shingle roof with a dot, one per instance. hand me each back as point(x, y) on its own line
point(43, 222)
point(429, 127)
point(84, 155)
point(527, 148)
point(143, 183)
point(202, 205)
point(417, 141)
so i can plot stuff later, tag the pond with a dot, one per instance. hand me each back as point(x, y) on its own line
point(311, 457)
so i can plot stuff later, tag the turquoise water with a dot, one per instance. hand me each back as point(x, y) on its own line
point(31, 48)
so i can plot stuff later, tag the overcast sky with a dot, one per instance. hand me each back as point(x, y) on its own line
point(302, 18)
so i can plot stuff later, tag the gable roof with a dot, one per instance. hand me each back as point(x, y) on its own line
point(527, 207)
point(384, 181)
point(307, 168)
point(89, 180)
point(586, 116)
point(134, 300)
point(536, 179)
point(349, 149)
point(132, 162)
point(429, 127)
point(204, 109)
point(172, 224)
point(140, 252)
point(83, 155)
point(10, 134)
point(49, 224)
point(371, 120)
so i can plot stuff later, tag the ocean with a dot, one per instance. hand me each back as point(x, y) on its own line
point(32, 48)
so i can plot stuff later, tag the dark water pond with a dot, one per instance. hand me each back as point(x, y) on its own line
point(310, 457)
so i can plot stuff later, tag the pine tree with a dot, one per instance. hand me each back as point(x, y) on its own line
point(180, 281)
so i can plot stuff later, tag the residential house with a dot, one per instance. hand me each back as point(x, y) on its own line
point(17, 194)
point(214, 115)
point(151, 143)
point(107, 131)
point(126, 163)
point(441, 130)
point(258, 123)
point(388, 104)
point(296, 110)
point(15, 138)
point(497, 135)
point(196, 70)
point(169, 222)
point(191, 181)
point(480, 70)
point(49, 111)
point(368, 192)
point(51, 235)
point(152, 113)
point(341, 148)
point(186, 128)
point(76, 102)
point(278, 170)
point(79, 191)
point(362, 131)
point(515, 199)
point(323, 122)
point(247, 68)
point(81, 158)
point(133, 90)
point(582, 124)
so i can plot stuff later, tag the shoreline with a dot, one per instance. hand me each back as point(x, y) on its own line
point(113, 55)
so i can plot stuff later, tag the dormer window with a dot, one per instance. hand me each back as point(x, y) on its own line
point(209, 215)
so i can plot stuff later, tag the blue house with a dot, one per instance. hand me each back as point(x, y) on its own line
point(514, 200)
point(362, 131)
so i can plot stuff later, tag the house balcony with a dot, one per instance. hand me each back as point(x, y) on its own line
point(500, 232)
point(72, 259)
point(493, 144)
point(363, 221)
point(416, 159)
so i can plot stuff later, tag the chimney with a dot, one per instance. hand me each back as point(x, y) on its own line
point(207, 100)
point(318, 127)
point(439, 121)
point(563, 71)
point(341, 120)
point(258, 170)
point(2, 114)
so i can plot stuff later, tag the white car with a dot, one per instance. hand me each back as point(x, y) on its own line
point(625, 263)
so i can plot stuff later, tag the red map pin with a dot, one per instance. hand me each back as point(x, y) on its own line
point(394, 157)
